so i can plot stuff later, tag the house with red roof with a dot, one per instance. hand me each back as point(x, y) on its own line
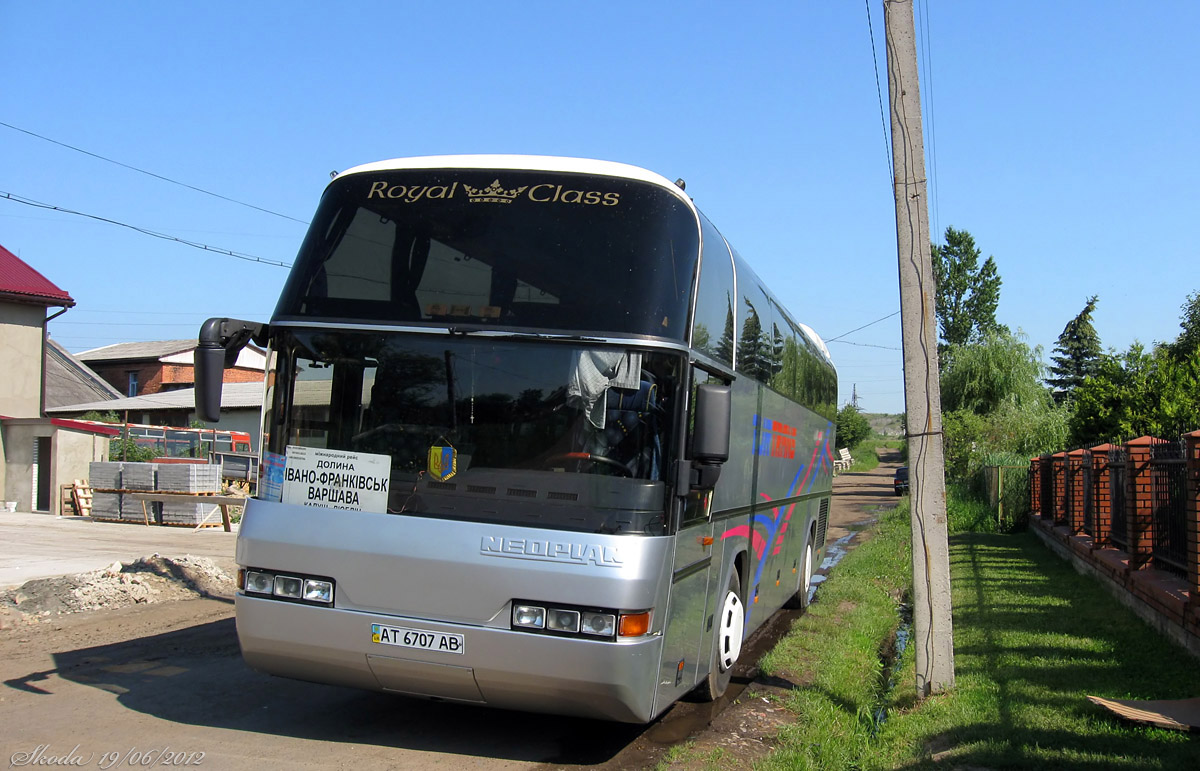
point(40, 453)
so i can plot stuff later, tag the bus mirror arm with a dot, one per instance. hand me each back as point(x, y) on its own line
point(710, 437)
point(217, 347)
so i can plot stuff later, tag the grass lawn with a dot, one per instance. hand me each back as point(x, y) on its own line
point(864, 455)
point(1032, 639)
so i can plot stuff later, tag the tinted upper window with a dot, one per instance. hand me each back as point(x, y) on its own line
point(543, 250)
point(712, 328)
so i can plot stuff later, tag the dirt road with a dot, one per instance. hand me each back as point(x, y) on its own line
point(166, 685)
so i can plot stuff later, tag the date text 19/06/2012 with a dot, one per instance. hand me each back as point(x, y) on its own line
point(45, 756)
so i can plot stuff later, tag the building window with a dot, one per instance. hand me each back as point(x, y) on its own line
point(132, 390)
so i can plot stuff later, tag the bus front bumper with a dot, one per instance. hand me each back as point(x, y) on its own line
point(498, 667)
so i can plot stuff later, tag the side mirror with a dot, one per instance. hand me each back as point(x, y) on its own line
point(210, 373)
point(710, 434)
point(217, 347)
point(710, 440)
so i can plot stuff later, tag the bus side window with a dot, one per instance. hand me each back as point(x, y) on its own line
point(712, 328)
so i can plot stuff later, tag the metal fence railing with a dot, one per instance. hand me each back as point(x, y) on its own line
point(1168, 492)
point(1117, 474)
point(1088, 497)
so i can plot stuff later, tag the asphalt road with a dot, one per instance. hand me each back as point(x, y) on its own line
point(166, 685)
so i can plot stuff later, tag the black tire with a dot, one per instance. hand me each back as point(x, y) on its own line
point(728, 634)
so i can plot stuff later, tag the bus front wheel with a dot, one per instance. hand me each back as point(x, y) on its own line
point(727, 643)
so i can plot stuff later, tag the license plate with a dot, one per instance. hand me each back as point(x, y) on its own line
point(442, 642)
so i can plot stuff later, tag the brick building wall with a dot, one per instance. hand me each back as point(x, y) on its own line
point(156, 377)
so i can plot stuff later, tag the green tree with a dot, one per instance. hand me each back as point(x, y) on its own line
point(124, 448)
point(995, 402)
point(1189, 339)
point(101, 417)
point(1077, 354)
point(1000, 367)
point(967, 293)
point(1138, 394)
point(852, 427)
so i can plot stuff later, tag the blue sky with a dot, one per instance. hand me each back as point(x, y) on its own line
point(1061, 135)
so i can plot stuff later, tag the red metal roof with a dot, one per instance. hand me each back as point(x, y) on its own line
point(21, 282)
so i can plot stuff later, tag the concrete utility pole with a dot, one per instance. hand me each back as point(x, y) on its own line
point(933, 633)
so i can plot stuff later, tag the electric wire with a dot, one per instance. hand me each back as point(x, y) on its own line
point(866, 345)
point(931, 131)
point(864, 326)
point(887, 149)
point(150, 173)
point(145, 231)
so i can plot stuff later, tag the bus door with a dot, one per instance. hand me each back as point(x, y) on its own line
point(686, 630)
point(687, 645)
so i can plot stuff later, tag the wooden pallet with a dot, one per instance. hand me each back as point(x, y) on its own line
point(81, 497)
point(77, 496)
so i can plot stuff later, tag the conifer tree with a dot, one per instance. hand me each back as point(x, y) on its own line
point(1076, 355)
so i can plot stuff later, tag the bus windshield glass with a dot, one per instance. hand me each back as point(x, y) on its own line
point(534, 432)
point(505, 249)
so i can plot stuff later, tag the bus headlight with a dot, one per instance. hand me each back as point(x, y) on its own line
point(563, 620)
point(581, 622)
point(318, 591)
point(287, 586)
point(599, 624)
point(259, 583)
point(529, 616)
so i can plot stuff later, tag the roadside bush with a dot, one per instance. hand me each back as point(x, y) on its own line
point(852, 427)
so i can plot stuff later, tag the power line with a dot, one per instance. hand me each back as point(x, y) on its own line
point(927, 95)
point(77, 311)
point(864, 326)
point(150, 173)
point(156, 325)
point(164, 236)
point(865, 345)
point(887, 149)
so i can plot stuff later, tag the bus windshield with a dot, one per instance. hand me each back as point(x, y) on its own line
point(508, 249)
point(534, 432)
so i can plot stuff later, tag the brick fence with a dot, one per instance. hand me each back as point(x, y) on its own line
point(1130, 515)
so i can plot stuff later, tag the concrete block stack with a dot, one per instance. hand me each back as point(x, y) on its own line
point(106, 505)
point(105, 479)
point(105, 475)
point(189, 478)
point(110, 481)
point(138, 476)
point(189, 513)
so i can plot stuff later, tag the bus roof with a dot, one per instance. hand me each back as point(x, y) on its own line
point(524, 163)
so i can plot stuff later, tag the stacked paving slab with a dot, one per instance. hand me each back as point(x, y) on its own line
point(111, 480)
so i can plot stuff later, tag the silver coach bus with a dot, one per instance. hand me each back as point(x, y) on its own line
point(534, 437)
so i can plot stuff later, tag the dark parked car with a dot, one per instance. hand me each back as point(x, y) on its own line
point(900, 481)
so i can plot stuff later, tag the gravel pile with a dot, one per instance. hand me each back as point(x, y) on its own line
point(149, 579)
